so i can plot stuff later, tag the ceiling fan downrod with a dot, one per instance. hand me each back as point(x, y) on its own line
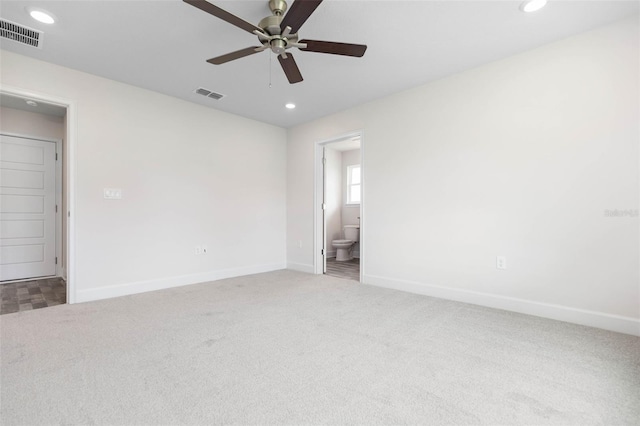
point(278, 7)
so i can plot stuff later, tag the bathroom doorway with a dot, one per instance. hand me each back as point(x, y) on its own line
point(339, 219)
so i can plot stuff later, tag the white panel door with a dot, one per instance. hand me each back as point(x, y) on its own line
point(324, 210)
point(27, 208)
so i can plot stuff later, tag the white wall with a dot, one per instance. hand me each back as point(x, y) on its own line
point(333, 192)
point(190, 175)
point(521, 158)
point(31, 124)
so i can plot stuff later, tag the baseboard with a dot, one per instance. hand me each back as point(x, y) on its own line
point(164, 283)
point(301, 267)
point(602, 320)
point(332, 253)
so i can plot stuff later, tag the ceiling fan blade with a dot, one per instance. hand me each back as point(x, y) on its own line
point(223, 14)
point(334, 48)
point(290, 68)
point(234, 55)
point(298, 13)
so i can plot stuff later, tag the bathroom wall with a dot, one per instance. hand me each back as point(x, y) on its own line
point(27, 123)
point(350, 213)
point(333, 200)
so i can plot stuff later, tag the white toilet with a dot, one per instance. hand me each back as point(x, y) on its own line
point(344, 247)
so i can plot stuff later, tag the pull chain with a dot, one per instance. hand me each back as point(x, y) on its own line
point(270, 55)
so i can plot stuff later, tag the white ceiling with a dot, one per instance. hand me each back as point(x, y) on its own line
point(162, 45)
point(14, 102)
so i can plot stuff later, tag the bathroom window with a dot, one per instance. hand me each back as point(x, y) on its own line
point(353, 184)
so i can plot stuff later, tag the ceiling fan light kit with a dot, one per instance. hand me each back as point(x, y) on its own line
point(279, 33)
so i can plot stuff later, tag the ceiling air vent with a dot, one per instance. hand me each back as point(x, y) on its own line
point(208, 93)
point(20, 33)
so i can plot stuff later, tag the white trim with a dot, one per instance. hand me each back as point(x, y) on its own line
point(318, 178)
point(22, 280)
point(317, 197)
point(362, 215)
point(301, 267)
point(70, 137)
point(107, 292)
point(59, 209)
point(602, 320)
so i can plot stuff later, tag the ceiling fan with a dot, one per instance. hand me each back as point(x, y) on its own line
point(279, 32)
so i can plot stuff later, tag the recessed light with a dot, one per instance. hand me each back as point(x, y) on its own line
point(290, 106)
point(31, 103)
point(532, 5)
point(41, 16)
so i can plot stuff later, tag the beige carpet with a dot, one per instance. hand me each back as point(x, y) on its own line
point(293, 348)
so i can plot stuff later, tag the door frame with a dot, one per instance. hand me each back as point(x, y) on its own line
point(71, 170)
point(58, 189)
point(318, 191)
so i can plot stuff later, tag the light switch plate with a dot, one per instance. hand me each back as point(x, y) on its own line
point(113, 193)
point(501, 262)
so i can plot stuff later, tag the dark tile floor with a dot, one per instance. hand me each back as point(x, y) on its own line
point(349, 269)
point(28, 295)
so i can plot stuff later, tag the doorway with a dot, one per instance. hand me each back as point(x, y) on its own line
point(37, 135)
point(338, 218)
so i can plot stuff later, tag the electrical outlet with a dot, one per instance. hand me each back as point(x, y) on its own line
point(198, 250)
point(501, 262)
point(112, 193)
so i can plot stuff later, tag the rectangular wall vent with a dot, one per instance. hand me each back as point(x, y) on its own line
point(208, 93)
point(20, 33)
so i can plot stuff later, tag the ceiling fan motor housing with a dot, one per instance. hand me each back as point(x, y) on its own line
point(271, 24)
point(277, 41)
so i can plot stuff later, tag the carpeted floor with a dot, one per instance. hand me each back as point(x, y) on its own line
point(293, 348)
